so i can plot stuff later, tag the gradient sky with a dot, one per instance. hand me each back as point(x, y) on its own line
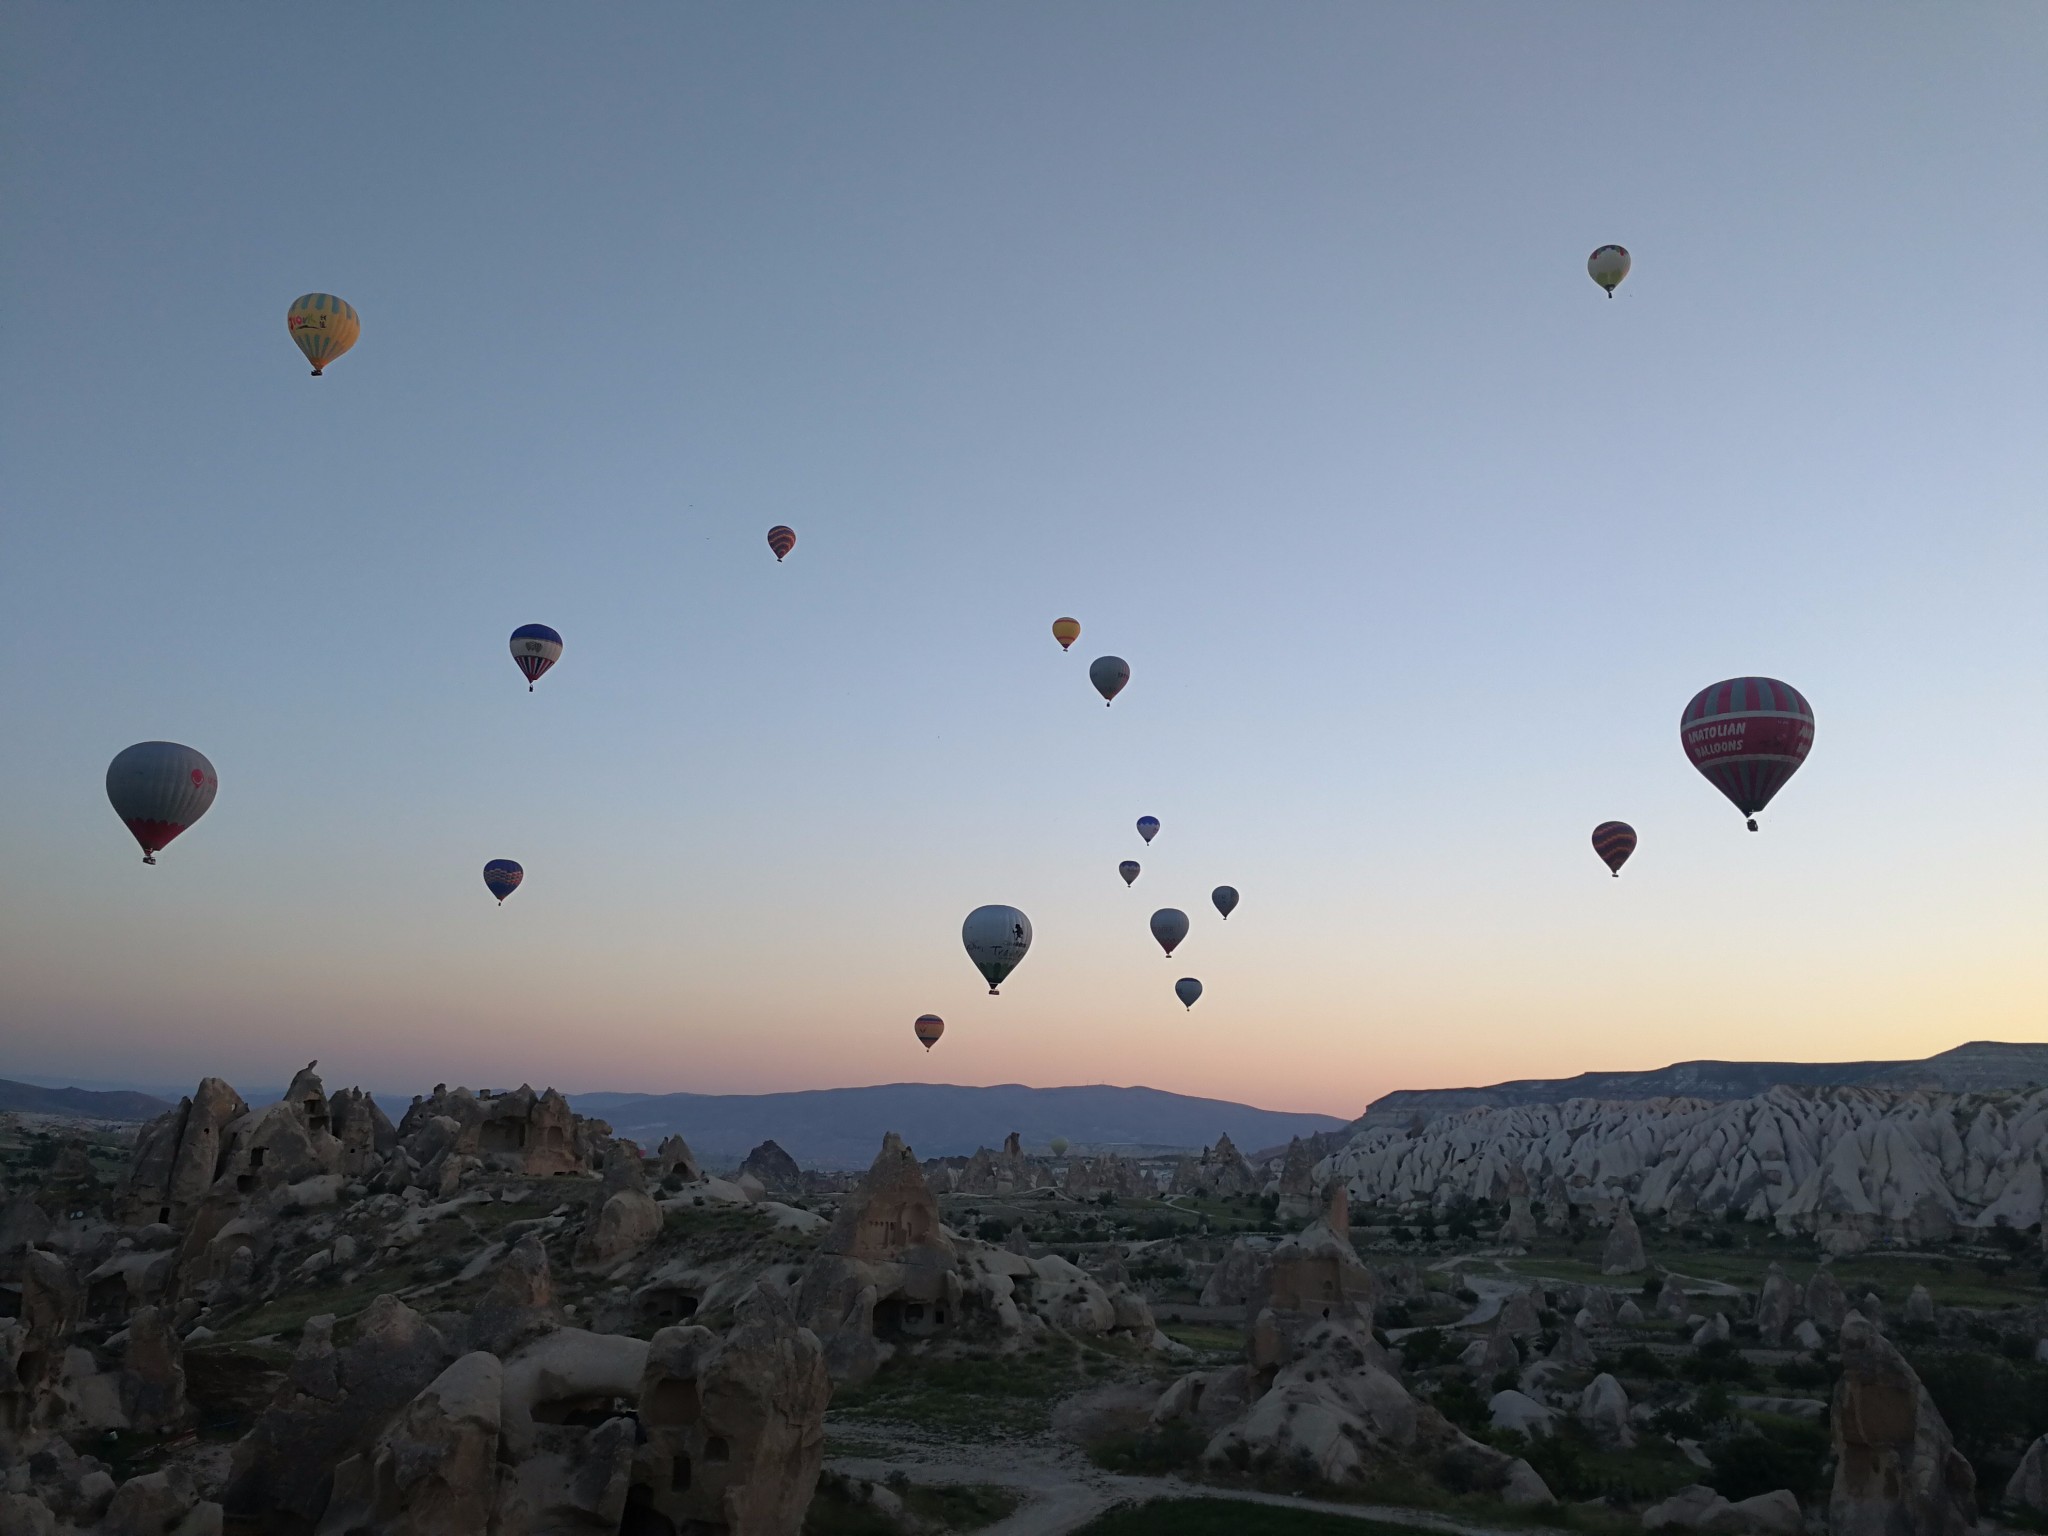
point(1258, 337)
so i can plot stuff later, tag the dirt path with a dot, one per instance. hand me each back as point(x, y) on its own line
point(1062, 1489)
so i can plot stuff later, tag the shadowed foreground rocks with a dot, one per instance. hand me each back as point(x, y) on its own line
point(1897, 1472)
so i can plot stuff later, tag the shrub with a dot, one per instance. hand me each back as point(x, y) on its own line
point(1791, 1453)
point(1718, 1360)
point(1172, 1447)
point(1641, 1360)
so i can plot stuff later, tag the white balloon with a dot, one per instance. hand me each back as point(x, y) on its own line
point(1607, 267)
point(160, 788)
point(997, 938)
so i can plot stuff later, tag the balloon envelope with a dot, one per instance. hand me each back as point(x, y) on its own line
point(1614, 841)
point(1607, 267)
point(1066, 631)
point(929, 1027)
point(1169, 927)
point(1747, 736)
point(997, 938)
point(1225, 897)
point(159, 788)
point(1187, 989)
point(502, 877)
point(1148, 827)
point(782, 540)
point(535, 648)
point(1129, 870)
point(1109, 674)
point(323, 326)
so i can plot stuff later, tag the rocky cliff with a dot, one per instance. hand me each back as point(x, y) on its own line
point(1981, 1066)
point(1866, 1163)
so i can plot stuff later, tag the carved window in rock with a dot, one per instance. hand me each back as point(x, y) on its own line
point(716, 1449)
point(672, 1404)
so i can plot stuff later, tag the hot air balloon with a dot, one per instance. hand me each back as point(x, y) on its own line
point(1614, 841)
point(535, 648)
point(1607, 267)
point(160, 788)
point(323, 326)
point(1066, 631)
point(1059, 1146)
point(1748, 735)
point(1148, 827)
point(782, 540)
point(1129, 870)
point(1169, 927)
point(1225, 897)
point(1109, 674)
point(1188, 990)
point(929, 1027)
point(502, 877)
point(997, 938)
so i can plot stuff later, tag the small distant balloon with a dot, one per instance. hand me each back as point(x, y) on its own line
point(1614, 841)
point(1129, 870)
point(323, 326)
point(929, 1027)
point(1607, 267)
point(535, 648)
point(1148, 827)
point(1747, 736)
point(782, 540)
point(997, 939)
point(1059, 1145)
point(502, 877)
point(1109, 674)
point(1169, 927)
point(159, 788)
point(1188, 990)
point(1225, 897)
point(1066, 631)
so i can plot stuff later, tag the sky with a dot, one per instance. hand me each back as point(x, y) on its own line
point(1256, 337)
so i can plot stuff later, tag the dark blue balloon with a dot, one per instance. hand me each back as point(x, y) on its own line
point(502, 877)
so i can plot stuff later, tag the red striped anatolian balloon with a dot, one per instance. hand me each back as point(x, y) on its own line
point(160, 788)
point(1747, 735)
point(782, 540)
point(1614, 841)
point(929, 1027)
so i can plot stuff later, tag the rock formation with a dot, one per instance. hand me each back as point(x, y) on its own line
point(774, 1168)
point(1623, 1254)
point(889, 1274)
point(1897, 1472)
point(1862, 1162)
point(1776, 1305)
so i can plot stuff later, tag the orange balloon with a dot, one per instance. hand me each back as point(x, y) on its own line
point(1066, 631)
point(929, 1027)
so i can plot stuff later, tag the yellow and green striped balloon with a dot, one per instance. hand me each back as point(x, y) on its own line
point(323, 326)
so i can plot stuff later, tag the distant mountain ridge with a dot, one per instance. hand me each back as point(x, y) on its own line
point(80, 1103)
point(842, 1128)
point(1977, 1067)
